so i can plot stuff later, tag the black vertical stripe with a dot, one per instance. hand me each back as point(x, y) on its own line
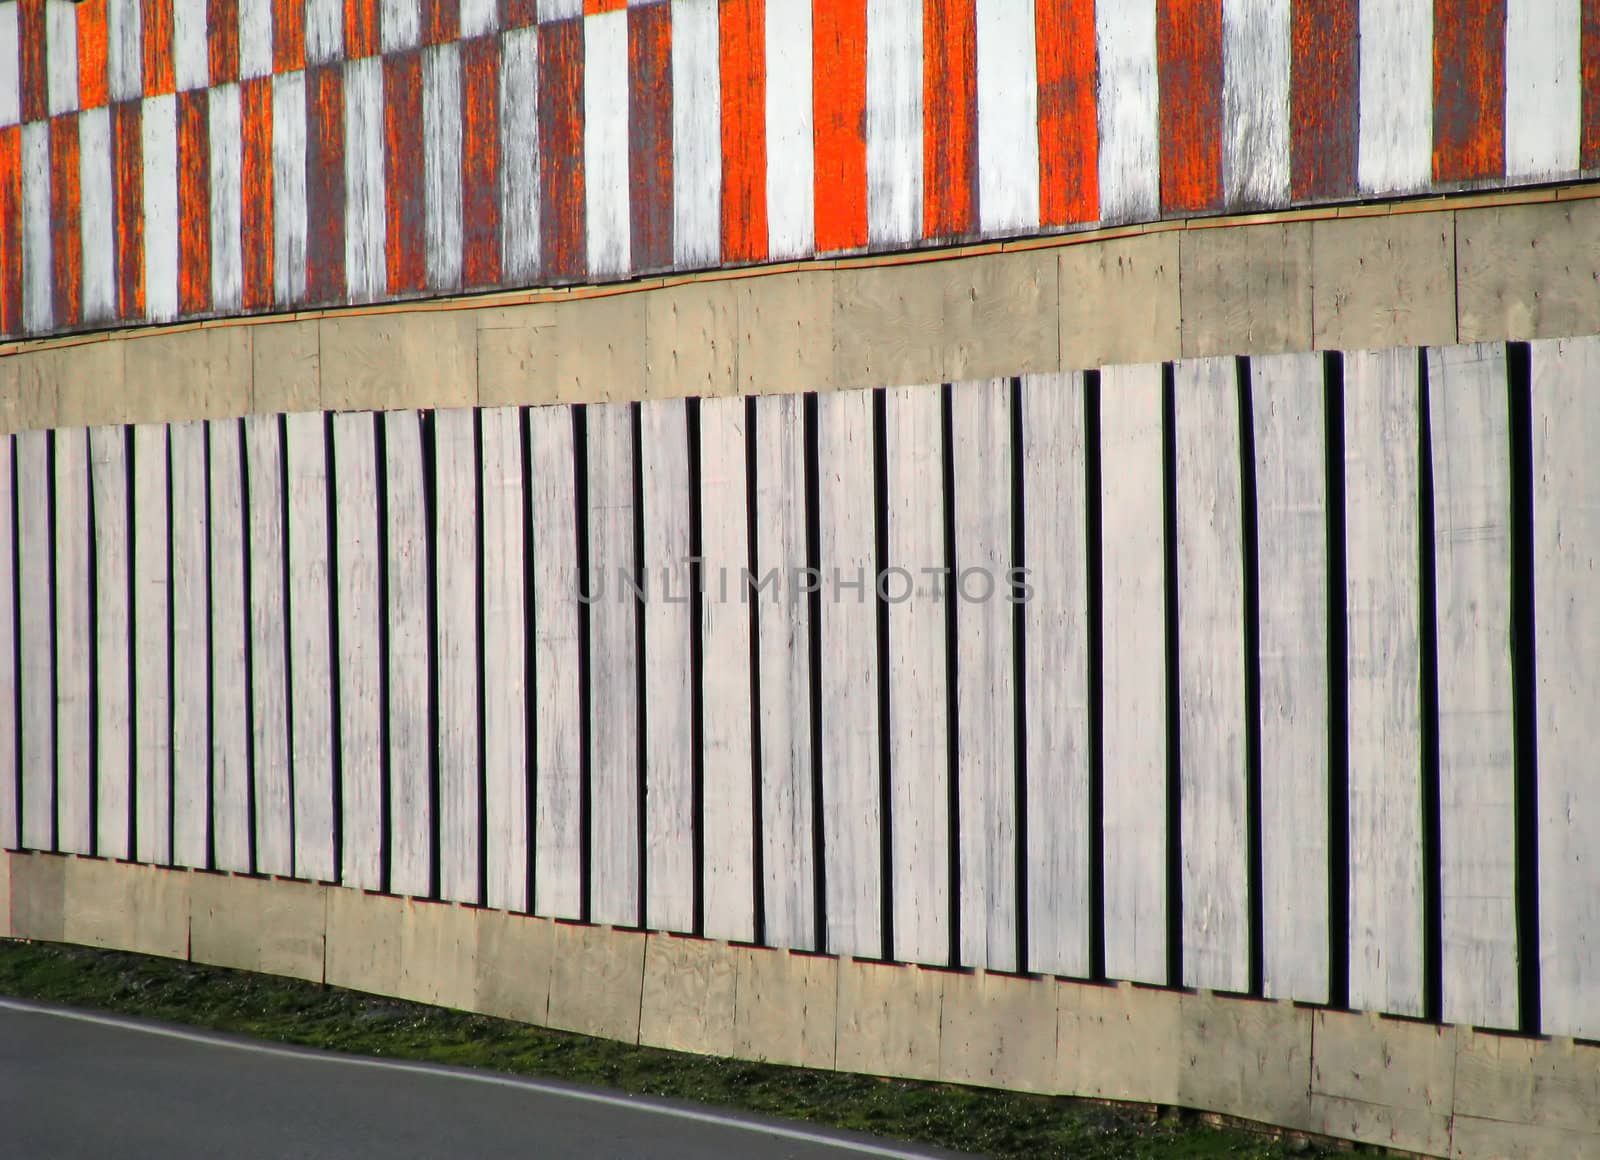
point(952, 673)
point(1338, 868)
point(1174, 845)
point(430, 549)
point(13, 610)
point(697, 665)
point(380, 460)
point(130, 464)
point(1428, 648)
point(91, 627)
point(1250, 562)
point(335, 692)
point(814, 657)
point(581, 526)
point(1093, 572)
point(641, 696)
point(55, 644)
point(479, 628)
point(880, 506)
point(530, 668)
point(247, 595)
point(758, 872)
point(1015, 591)
point(172, 669)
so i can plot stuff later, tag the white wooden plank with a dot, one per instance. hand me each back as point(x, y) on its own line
point(324, 31)
point(1008, 116)
point(1544, 88)
point(986, 752)
point(61, 57)
point(365, 207)
point(916, 589)
point(1213, 779)
point(558, 738)
point(559, 9)
point(124, 49)
point(1471, 445)
point(361, 619)
point(226, 153)
point(38, 807)
point(269, 649)
point(668, 708)
point(1129, 106)
point(1288, 407)
point(191, 53)
point(613, 670)
point(400, 24)
point(95, 205)
point(1056, 674)
point(783, 625)
point(10, 48)
point(505, 661)
point(289, 221)
point(411, 819)
point(1566, 604)
point(791, 183)
point(1385, 706)
point(10, 737)
point(1255, 102)
point(729, 785)
point(191, 649)
point(1133, 548)
point(519, 153)
point(74, 630)
point(311, 660)
point(158, 130)
point(479, 17)
point(894, 122)
point(108, 457)
point(230, 674)
point(456, 544)
point(852, 840)
point(1394, 151)
point(441, 164)
point(696, 134)
point(152, 692)
point(255, 38)
point(605, 144)
point(38, 308)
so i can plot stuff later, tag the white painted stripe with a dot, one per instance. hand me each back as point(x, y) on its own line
point(559, 9)
point(1008, 117)
point(96, 201)
point(124, 49)
point(191, 52)
point(400, 24)
point(456, 559)
point(159, 130)
point(1544, 88)
point(61, 57)
point(479, 17)
point(74, 626)
point(365, 213)
point(558, 740)
point(230, 672)
point(191, 647)
point(152, 770)
point(668, 696)
point(790, 184)
point(227, 199)
point(730, 813)
point(605, 143)
point(602, 1099)
point(38, 307)
point(919, 689)
point(324, 31)
point(1129, 103)
point(506, 706)
point(269, 648)
point(255, 38)
point(441, 163)
point(1255, 102)
point(37, 675)
point(1395, 150)
point(108, 457)
point(894, 122)
point(9, 676)
point(696, 134)
point(11, 66)
point(1056, 673)
point(411, 821)
point(289, 224)
point(519, 154)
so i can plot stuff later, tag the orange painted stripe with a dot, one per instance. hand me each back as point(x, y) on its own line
point(562, 176)
point(518, 14)
point(839, 120)
point(155, 23)
point(255, 183)
point(1189, 60)
point(11, 230)
point(360, 27)
point(1591, 84)
point(288, 35)
point(222, 39)
point(1324, 89)
point(194, 203)
point(127, 146)
point(94, 81)
point(949, 118)
point(34, 72)
point(441, 21)
point(1069, 130)
point(480, 161)
point(66, 229)
point(743, 67)
point(1469, 89)
point(596, 7)
point(650, 136)
point(405, 244)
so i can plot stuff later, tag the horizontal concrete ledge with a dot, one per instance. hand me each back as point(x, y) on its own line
point(1416, 1087)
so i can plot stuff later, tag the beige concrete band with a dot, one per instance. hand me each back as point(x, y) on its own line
point(1439, 1091)
point(1431, 272)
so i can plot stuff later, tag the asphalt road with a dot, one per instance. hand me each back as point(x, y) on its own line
point(74, 1084)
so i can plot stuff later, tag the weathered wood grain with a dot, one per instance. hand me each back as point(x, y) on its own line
point(456, 530)
point(696, 134)
point(159, 133)
point(269, 648)
point(1008, 123)
point(37, 675)
point(191, 648)
point(894, 122)
point(108, 462)
point(226, 157)
point(365, 262)
point(1130, 143)
point(96, 209)
point(74, 626)
point(1395, 147)
point(605, 144)
point(1544, 88)
point(519, 153)
point(1255, 102)
point(10, 676)
point(229, 676)
point(152, 646)
point(412, 821)
point(38, 303)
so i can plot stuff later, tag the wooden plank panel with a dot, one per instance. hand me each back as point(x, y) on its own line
point(38, 303)
point(783, 626)
point(230, 675)
point(1469, 90)
point(1056, 674)
point(650, 98)
point(411, 818)
point(1394, 153)
point(290, 220)
point(74, 627)
point(1288, 408)
point(312, 664)
point(442, 121)
point(894, 122)
point(1211, 677)
point(1255, 102)
point(668, 704)
point(191, 649)
point(519, 154)
point(1133, 549)
point(1544, 88)
point(1323, 101)
point(158, 130)
point(10, 737)
point(851, 837)
point(108, 457)
point(1382, 593)
point(269, 649)
point(1130, 140)
point(558, 740)
point(225, 154)
point(360, 563)
point(96, 209)
point(918, 676)
point(696, 134)
point(1007, 66)
point(34, 615)
point(949, 120)
point(1469, 420)
point(365, 260)
point(744, 130)
point(729, 786)
point(1189, 67)
point(152, 641)
point(790, 177)
point(456, 531)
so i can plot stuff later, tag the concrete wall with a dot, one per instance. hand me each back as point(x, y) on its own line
point(1434, 1090)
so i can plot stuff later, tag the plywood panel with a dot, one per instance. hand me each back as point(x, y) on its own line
point(10, 738)
point(152, 642)
point(411, 805)
point(312, 664)
point(614, 806)
point(665, 649)
point(783, 626)
point(38, 808)
point(191, 649)
point(74, 625)
point(558, 740)
point(230, 674)
point(1382, 601)
point(917, 590)
point(1288, 409)
point(1211, 677)
point(729, 775)
point(108, 456)
point(851, 838)
point(269, 648)
point(1055, 671)
point(986, 754)
point(456, 531)
point(1133, 549)
point(1469, 421)
point(506, 696)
